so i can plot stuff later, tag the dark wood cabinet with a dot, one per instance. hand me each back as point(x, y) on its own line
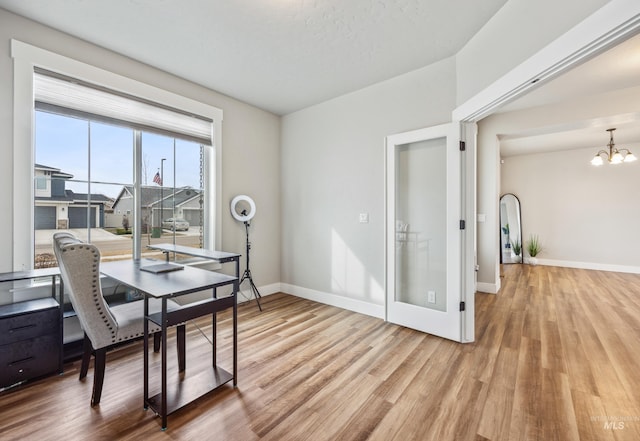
point(30, 340)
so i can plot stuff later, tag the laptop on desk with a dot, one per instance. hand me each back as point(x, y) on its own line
point(162, 267)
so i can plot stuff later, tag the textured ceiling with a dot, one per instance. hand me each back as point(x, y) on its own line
point(280, 55)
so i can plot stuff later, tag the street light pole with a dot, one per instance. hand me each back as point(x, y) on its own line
point(161, 191)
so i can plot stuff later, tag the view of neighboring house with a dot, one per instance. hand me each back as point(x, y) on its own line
point(59, 208)
point(184, 203)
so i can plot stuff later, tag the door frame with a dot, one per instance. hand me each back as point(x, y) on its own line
point(605, 28)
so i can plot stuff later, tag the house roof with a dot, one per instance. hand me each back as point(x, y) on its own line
point(55, 172)
point(73, 197)
point(95, 197)
point(151, 195)
point(69, 195)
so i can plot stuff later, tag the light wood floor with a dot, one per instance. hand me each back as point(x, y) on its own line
point(557, 353)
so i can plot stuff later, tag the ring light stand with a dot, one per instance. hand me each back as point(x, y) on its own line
point(245, 218)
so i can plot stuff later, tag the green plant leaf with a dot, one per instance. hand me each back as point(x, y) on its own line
point(534, 247)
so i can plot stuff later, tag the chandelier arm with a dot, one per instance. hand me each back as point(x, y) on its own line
point(613, 155)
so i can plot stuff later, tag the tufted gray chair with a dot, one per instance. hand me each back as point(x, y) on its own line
point(103, 325)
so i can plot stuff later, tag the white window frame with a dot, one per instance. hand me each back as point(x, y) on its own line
point(26, 57)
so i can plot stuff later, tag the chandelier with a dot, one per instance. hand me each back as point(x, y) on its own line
point(614, 155)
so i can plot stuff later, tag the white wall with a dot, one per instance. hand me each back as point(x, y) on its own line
point(333, 169)
point(250, 137)
point(585, 216)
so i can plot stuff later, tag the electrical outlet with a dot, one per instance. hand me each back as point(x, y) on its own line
point(431, 296)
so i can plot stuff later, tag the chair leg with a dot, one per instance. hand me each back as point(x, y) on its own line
point(181, 340)
point(87, 349)
point(157, 339)
point(98, 375)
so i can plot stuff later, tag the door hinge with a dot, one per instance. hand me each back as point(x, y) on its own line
point(463, 146)
point(463, 224)
point(462, 306)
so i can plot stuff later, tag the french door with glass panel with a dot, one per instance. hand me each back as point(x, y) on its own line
point(423, 206)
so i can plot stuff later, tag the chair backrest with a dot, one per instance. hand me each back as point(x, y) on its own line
point(79, 264)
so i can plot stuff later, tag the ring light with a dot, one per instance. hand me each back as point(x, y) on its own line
point(243, 216)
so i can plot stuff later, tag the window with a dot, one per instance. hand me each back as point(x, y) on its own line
point(103, 129)
point(41, 183)
point(91, 176)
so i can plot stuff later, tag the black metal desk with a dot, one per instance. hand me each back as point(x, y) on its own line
point(216, 256)
point(173, 284)
point(33, 274)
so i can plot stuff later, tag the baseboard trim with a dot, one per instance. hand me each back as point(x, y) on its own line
point(590, 266)
point(245, 295)
point(378, 310)
point(334, 300)
point(490, 288)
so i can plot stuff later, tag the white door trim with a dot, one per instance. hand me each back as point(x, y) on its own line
point(608, 26)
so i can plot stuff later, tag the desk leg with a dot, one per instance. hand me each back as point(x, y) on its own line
point(164, 363)
point(146, 352)
point(61, 303)
point(236, 289)
point(238, 269)
point(214, 343)
point(235, 333)
point(181, 346)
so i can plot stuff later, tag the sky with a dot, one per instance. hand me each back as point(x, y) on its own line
point(63, 142)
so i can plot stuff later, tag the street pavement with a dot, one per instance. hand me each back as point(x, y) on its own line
point(113, 245)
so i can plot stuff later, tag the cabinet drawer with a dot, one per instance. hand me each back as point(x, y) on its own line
point(27, 359)
point(33, 324)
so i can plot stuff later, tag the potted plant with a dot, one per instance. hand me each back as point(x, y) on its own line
point(516, 246)
point(534, 247)
point(505, 231)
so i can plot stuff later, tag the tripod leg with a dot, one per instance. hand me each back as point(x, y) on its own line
point(255, 291)
point(256, 294)
point(252, 287)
